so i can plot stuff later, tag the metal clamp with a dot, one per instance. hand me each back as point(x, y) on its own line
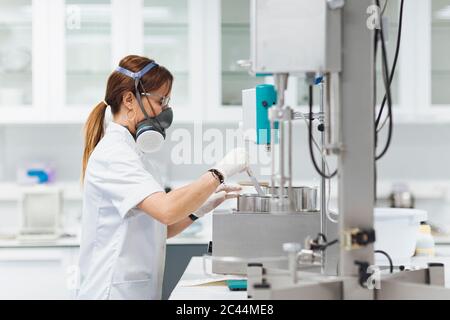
point(357, 238)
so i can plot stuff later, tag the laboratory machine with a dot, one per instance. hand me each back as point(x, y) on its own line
point(286, 240)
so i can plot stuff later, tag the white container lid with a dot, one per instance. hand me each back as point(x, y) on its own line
point(383, 214)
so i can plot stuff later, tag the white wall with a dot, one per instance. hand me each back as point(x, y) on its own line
point(419, 152)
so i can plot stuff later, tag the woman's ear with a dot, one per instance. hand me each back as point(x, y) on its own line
point(127, 100)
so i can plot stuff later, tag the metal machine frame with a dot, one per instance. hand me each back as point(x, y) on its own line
point(356, 186)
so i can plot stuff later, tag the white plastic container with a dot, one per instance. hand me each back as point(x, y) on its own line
point(396, 232)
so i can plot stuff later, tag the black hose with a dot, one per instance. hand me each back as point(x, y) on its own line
point(391, 265)
point(387, 82)
point(394, 65)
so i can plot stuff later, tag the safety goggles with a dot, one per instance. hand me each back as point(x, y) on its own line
point(163, 100)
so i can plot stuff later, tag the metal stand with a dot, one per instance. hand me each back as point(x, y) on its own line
point(323, 181)
point(356, 193)
point(426, 283)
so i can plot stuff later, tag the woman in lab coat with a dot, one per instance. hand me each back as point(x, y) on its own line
point(127, 216)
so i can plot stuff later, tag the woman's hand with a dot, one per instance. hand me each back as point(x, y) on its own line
point(234, 162)
point(222, 193)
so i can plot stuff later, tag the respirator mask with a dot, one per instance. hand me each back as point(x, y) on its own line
point(151, 132)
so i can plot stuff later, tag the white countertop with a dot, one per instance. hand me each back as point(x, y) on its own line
point(194, 271)
point(442, 256)
point(75, 242)
point(188, 240)
point(40, 243)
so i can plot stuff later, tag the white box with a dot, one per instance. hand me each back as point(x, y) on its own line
point(396, 232)
point(41, 208)
point(294, 36)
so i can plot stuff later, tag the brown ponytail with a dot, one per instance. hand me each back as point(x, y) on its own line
point(118, 85)
point(93, 132)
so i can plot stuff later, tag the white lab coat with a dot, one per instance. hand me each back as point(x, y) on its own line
point(122, 248)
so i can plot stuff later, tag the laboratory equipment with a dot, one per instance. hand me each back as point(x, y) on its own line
point(253, 203)
point(256, 103)
point(295, 37)
point(250, 236)
point(329, 40)
point(248, 187)
point(304, 198)
point(396, 232)
point(255, 182)
point(401, 197)
point(281, 199)
point(41, 208)
point(237, 285)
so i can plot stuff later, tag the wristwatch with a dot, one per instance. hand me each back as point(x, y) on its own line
point(217, 175)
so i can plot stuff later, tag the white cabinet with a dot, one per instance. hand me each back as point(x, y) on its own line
point(166, 40)
point(172, 35)
point(440, 47)
point(81, 54)
point(165, 31)
point(419, 88)
point(422, 72)
point(16, 21)
point(38, 273)
point(81, 42)
point(87, 46)
point(235, 45)
point(227, 42)
point(73, 46)
point(56, 55)
point(21, 59)
point(57, 51)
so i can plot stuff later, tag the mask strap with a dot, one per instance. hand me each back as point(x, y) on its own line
point(137, 79)
point(137, 75)
point(138, 97)
point(142, 106)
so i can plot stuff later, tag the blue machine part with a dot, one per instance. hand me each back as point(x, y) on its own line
point(266, 97)
point(237, 285)
point(264, 74)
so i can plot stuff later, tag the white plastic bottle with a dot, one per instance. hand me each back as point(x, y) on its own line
point(425, 242)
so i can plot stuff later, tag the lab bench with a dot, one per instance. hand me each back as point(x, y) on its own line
point(184, 290)
point(69, 242)
point(48, 269)
point(194, 272)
